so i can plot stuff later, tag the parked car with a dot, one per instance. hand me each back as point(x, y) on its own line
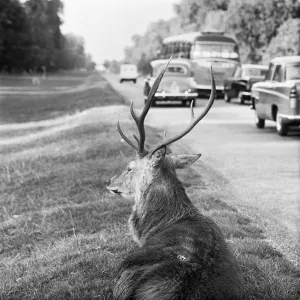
point(239, 86)
point(128, 72)
point(277, 97)
point(177, 84)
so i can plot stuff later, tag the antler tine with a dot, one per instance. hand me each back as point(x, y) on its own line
point(139, 120)
point(194, 121)
point(192, 110)
point(126, 139)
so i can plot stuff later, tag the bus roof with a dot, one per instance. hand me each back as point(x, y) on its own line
point(192, 37)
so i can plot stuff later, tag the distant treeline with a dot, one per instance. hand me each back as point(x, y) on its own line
point(263, 29)
point(31, 39)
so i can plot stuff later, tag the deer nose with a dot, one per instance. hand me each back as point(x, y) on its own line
point(107, 182)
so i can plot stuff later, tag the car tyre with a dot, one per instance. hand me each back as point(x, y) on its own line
point(121, 80)
point(260, 123)
point(281, 128)
point(226, 96)
point(134, 81)
point(241, 99)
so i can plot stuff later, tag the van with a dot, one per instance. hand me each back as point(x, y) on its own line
point(128, 72)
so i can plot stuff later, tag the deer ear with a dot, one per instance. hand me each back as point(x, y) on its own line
point(184, 161)
point(158, 156)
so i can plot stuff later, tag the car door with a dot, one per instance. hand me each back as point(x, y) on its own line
point(277, 98)
point(263, 89)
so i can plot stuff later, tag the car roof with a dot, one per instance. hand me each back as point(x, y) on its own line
point(264, 67)
point(286, 59)
point(175, 61)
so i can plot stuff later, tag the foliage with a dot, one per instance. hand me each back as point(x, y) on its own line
point(144, 66)
point(255, 23)
point(15, 38)
point(144, 47)
point(192, 13)
point(31, 39)
point(286, 42)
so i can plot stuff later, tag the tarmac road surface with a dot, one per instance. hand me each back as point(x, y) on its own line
point(263, 169)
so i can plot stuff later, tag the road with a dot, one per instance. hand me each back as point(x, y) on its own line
point(262, 168)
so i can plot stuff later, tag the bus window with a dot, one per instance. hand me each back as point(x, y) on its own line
point(214, 50)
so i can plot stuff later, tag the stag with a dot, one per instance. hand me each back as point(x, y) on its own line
point(182, 254)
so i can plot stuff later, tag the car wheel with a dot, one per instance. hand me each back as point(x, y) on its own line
point(226, 96)
point(153, 103)
point(134, 80)
point(260, 123)
point(241, 98)
point(121, 80)
point(281, 128)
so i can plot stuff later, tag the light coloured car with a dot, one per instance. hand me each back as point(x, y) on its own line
point(277, 97)
point(128, 72)
point(178, 83)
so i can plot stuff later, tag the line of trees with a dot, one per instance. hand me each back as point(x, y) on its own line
point(264, 29)
point(31, 39)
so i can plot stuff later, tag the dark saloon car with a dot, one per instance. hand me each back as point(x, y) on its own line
point(177, 84)
point(277, 97)
point(239, 86)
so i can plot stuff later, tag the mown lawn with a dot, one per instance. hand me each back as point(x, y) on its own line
point(62, 235)
point(94, 91)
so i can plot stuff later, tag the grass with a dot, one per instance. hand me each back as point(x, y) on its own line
point(62, 235)
point(93, 91)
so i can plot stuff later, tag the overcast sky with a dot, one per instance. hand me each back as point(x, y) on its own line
point(107, 25)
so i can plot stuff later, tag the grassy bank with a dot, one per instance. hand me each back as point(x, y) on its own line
point(62, 235)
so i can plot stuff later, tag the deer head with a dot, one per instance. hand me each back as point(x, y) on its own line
point(153, 162)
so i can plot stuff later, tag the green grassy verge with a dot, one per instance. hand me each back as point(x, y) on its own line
point(62, 235)
point(95, 92)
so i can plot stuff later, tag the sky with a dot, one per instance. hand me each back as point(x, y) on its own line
point(107, 25)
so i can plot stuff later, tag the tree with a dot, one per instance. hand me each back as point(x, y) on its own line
point(286, 42)
point(72, 54)
point(192, 13)
point(255, 24)
point(147, 45)
point(14, 35)
point(144, 65)
point(44, 18)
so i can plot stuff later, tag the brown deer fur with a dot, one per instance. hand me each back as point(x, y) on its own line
point(182, 254)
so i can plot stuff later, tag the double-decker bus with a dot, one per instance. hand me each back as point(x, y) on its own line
point(205, 49)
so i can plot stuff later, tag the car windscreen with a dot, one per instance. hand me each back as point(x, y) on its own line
point(128, 68)
point(172, 70)
point(293, 71)
point(214, 50)
point(254, 72)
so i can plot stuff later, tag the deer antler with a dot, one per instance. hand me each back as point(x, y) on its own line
point(167, 141)
point(139, 120)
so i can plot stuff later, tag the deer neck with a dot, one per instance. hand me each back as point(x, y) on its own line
point(162, 203)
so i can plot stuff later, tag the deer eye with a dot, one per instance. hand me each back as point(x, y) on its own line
point(128, 169)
